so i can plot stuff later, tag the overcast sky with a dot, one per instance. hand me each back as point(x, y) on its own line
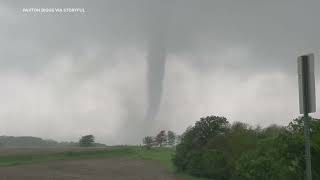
point(63, 75)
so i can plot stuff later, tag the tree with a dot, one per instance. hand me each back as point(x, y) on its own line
point(86, 141)
point(148, 141)
point(192, 154)
point(171, 138)
point(161, 138)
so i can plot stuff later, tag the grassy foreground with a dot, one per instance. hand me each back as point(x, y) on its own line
point(162, 155)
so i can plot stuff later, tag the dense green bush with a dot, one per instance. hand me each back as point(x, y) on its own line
point(194, 154)
point(215, 149)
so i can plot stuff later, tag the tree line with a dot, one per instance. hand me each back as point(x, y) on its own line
point(35, 142)
point(216, 149)
point(163, 138)
point(31, 142)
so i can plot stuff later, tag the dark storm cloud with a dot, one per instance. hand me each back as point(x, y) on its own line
point(272, 29)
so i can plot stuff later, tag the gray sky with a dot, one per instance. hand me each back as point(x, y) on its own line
point(64, 75)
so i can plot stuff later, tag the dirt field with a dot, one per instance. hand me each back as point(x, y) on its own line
point(88, 169)
point(19, 151)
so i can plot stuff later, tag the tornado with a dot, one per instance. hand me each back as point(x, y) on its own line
point(156, 61)
point(157, 51)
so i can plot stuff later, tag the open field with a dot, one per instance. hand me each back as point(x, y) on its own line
point(92, 163)
point(88, 169)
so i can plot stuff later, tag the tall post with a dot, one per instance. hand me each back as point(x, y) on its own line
point(306, 68)
point(307, 146)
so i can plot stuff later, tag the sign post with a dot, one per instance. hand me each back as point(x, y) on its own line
point(307, 102)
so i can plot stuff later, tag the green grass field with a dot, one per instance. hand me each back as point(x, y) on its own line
point(161, 155)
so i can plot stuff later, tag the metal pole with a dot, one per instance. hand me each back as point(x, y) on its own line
point(307, 146)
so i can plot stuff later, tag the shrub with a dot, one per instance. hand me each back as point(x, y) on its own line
point(215, 149)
